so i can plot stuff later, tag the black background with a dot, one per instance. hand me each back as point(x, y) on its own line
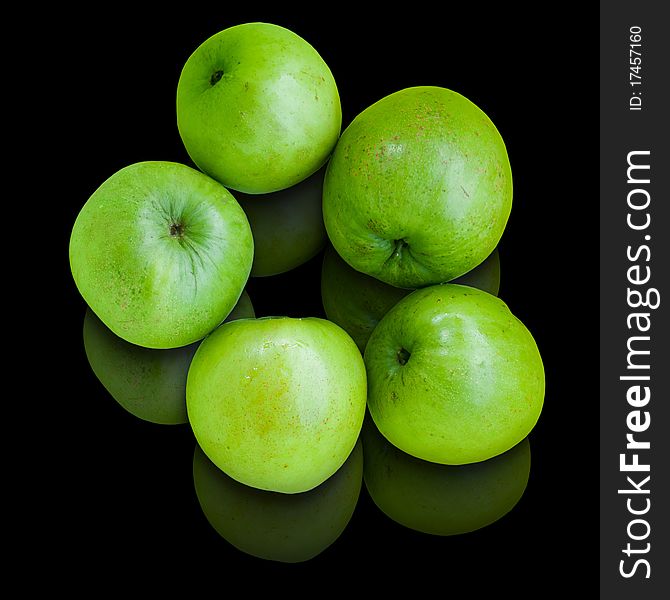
point(121, 491)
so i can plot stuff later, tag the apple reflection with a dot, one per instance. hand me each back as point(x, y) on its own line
point(287, 226)
point(357, 302)
point(280, 527)
point(442, 499)
point(150, 384)
point(485, 276)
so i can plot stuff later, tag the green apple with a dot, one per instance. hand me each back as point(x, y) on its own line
point(453, 376)
point(287, 226)
point(442, 499)
point(419, 188)
point(150, 384)
point(357, 302)
point(161, 253)
point(277, 403)
point(281, 527)
point(258, 108)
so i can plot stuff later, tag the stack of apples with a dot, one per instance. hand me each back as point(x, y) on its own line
point(414, 194)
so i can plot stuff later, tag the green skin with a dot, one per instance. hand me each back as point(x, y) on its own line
point(287, 226)
point(453, 376)
point(149, 384)
point(357, 302)
point(280, 527)
point(419, 188)
point(258, 108)
point(442, 499)
point(161, 253)
point(277, 403)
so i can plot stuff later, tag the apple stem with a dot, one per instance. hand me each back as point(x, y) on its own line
point(399, 245)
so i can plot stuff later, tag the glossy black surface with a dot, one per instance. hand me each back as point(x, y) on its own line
point(125, 496)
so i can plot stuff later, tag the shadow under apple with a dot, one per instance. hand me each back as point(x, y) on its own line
point(150, 384)
point(287, 226)
point(442, 499)
point(280, 527)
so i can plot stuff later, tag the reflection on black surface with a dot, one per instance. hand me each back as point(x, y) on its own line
point(150, 384)
point(442, 499)
point(485, 276)
point(357, 302)
point(287, 225)
point(281, 527)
